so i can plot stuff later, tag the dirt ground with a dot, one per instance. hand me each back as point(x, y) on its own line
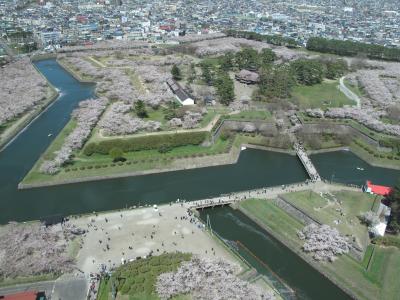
point(136, 232)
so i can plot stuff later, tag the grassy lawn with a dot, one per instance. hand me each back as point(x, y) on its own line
point(104, 290)
point(250, 115)
point(274, 218)
point(326, 210)
point(379, 282)
point(322, 95)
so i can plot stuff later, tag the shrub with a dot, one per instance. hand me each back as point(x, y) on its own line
point(164, 148)
point(82, 168)
point(117, 154)
point(147, 142)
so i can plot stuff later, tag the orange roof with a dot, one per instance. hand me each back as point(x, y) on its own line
point(378, 189)
point(32, 295)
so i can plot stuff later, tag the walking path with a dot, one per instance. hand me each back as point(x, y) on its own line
point(268, 193)
point(307, 163)
point(349, 94)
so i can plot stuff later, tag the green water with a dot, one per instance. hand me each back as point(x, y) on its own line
point(302, 278)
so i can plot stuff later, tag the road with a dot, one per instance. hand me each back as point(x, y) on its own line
point(349, 94)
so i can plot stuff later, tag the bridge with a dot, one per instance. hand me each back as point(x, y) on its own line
point(205, 203)
point(307, 163)
point(267, 193)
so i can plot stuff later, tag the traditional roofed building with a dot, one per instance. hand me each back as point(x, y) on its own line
point(247, 77)
point(180, 93)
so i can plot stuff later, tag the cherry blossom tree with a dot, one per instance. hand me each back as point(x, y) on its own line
point(86, 116)
point(118, 121)
point(204, 278)
point(21, 88)
point(31, 249)
point(323, 241)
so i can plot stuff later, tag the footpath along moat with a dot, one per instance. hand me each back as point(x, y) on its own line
point(255, 169)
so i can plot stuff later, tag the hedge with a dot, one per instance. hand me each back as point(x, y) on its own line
point(146, 142)
point(387, 240)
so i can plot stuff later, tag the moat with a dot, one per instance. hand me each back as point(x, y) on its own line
point(255, 169)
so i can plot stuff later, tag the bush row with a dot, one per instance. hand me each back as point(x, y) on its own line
point(146, 142)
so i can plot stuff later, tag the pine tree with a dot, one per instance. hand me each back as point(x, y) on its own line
point(176, 72)
point(140, 109)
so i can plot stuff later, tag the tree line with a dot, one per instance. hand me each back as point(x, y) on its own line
point(277, 81)
point(350, 48)
point(275, 39)
point(216, 74)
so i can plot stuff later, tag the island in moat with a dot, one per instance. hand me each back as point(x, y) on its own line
point(203, 103)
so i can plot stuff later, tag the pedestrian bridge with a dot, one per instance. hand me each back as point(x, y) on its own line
point(307, 163)
point(225, 200)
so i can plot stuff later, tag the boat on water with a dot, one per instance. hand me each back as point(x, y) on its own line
point(50, 134)
point(361, 169)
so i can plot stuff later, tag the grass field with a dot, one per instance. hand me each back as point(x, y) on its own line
point(326, 210)
point(322, 95)
point(378, 282)
point(275, 218)
point(250, 115)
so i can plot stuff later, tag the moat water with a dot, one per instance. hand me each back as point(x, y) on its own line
point(254, 169)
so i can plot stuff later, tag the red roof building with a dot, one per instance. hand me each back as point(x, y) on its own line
point(32, 295)
point(377, 189)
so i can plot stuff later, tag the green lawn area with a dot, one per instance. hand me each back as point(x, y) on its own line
point(250, 115)
point(274, 218)
point(104, 290)
point(322, 95)
point(378, 282)
point(138, 278)
point(325, 210)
